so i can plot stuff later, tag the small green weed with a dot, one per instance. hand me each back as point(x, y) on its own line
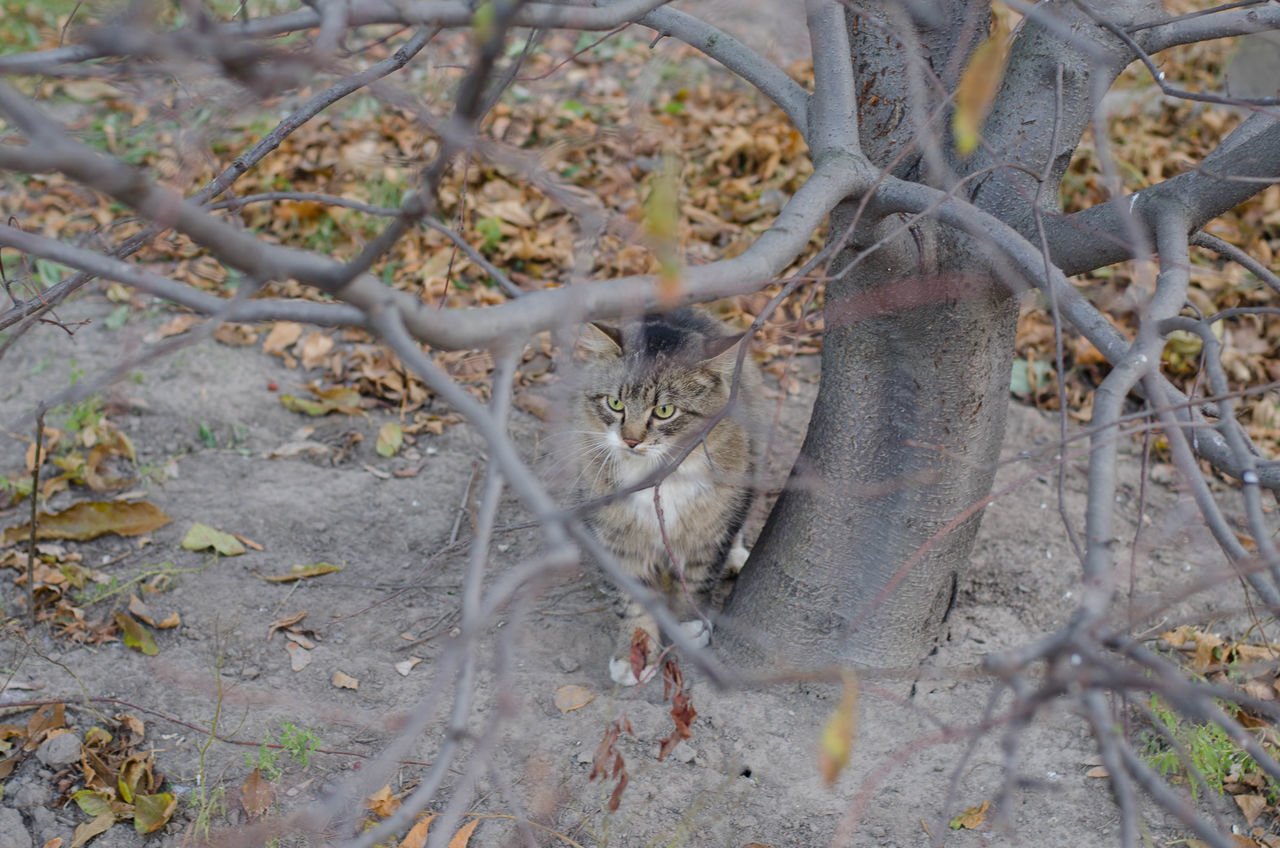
point(1213, 757)
point(298, 744)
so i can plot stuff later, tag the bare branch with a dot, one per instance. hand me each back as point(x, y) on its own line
point(833, 126)
point(1229, 251)
point(1085, 240)
point(1186, 29)
point(99, 265)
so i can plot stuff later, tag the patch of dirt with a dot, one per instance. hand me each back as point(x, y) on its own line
point(749, 774)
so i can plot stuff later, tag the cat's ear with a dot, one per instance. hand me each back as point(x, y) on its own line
point(600, 341)
point(720, 349)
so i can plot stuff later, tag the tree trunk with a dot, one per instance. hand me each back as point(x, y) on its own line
point(859, 559)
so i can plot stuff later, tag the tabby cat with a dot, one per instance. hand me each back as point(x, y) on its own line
point(644, 393)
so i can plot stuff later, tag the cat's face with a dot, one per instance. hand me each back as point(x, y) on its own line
point(646, 392)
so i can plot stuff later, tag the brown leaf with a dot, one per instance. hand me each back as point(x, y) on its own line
point(383, 802)
point(287, 621)
point(1098, 771)
point(256, 795)
point(91, 519)
point(572, 697)
point(249, 543)
point(236, 335)
point(315, 348)
point(417, 835)
point(281, 338)
point(1251, 805)
point(176, 326)
point(344, 681)
point(639, 653)
point(140, 610)
point(47, 718)
point(971, 818)
point(463, 836)
point(87, 830)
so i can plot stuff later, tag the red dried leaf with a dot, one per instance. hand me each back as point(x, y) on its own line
point(639, 653)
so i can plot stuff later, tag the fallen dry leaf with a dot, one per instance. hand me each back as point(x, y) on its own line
point(201, 537)
point(463, 836)
point(405, 666)
point(299, 572)
point(390, 439)
point(176, 326)
point(1251, 805)
point(971, 818)
point(417, 835)
point(572, 697)
point(281, 338)
point(344, 681)
point(135, 635)
point(1098, 771)
point(91, 519)
point(287, 621)
point(256, 795)
point(383, 802)
point(314, 349)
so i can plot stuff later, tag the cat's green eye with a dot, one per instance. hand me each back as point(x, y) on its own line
point(614, 403)
point(664, 410)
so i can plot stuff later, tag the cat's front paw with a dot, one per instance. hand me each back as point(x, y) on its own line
point(736, 558)
point(697, 630)
point(621, 672)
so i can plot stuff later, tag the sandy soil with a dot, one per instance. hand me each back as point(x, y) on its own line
point(748, 775)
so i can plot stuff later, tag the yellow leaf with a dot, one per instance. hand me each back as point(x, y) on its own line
point(136, 636)
point(298, 572)
point(836, 743)
point(979, 85)
point(201, 536)
point(417, 835)
point(152, 812)
point(572, 697)
point(390, 438)
point(463, 836)
point(971, 818)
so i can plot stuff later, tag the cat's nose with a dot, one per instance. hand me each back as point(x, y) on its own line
point(630, 442)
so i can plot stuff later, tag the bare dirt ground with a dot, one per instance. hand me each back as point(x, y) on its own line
point(749, 773)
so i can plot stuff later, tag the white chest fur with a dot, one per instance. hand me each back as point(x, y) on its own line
point(679, 495)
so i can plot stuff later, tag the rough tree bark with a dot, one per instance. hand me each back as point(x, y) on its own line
point(859, 560)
